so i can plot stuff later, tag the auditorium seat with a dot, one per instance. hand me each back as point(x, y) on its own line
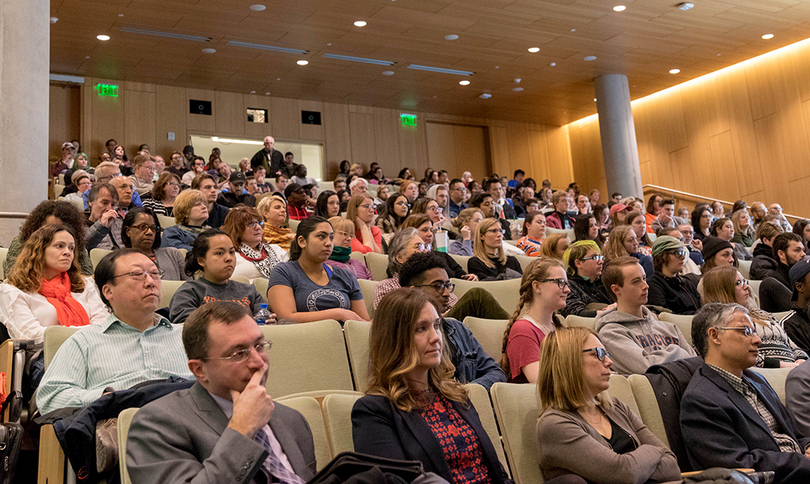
point(647, 404)
point(293, 224)
point(462, 260)
point(124, 421)
point(570, 232)
point(480, 400)
point(488, 332)
point(166, 222)
point(357, 334)
point(3, 254)
point(96, 255)
point(516, 409)
point(326, 185)
point(311, 410)
point(682, 321)
point(776, 377)
point(367, 288)
point(167, 290)
point(377, 264)
point(507, 293)
point(754, 285)
point(337, 413)
point(261, 283)
point(573, 320)
point(357, 255)
point(525, 260)
point(744, 266)
point(53, 339)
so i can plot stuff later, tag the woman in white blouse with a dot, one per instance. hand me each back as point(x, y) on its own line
point(46, 287)
point(254, 257)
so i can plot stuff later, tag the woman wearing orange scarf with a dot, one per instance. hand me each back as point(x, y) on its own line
point(46, 287)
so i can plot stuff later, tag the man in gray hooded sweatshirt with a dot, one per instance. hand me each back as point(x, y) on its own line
point(632, 334)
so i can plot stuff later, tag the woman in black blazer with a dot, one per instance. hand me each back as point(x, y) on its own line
point(414, 409)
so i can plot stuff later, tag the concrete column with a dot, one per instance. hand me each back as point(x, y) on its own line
point(24, 64)
point(618, 133)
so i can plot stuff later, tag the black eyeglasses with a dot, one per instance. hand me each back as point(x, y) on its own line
point(601, 353)
point(145, 227)
point(244, 353)
point(441, 286)
point(561, 283)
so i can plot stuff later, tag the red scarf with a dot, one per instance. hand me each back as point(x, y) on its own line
point(68, 311)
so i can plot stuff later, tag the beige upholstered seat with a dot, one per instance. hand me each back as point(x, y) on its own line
point(261, 283)
point(776, 377)
point(507, 293)
point(337, 412)
point(462, 260)
point(357, 334)
point(357, 255)
point(480, 400)
point(367, 288)
point(241, 279)
point(754, 285)
point(3, 254)
point(54, 337)
point(572, 320)
point(488, 332)
point(307, 357)
point(744, 266)
point(96, 255)
point(311, 410)
point(377, 264)
point(620, 388)
point(647, 404)
point(525, 260)
point(166, 222)
point(124, 421)
point(293, 225)
point(167, 290)
point(682, 321)
point(569, 232)
point(516, 409)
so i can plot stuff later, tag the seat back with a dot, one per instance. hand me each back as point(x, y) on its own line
point(293, 224)
point(620, 388)
point(507, 293)
point(357, 255)
point(124, 421)
point(326, 185)
point(357, 334)
point(516, 408)
point(96, 255)
point(462, 260)
point(480, 400)
point(3, 254)
point(776, 378)
point(488, 332)
point(167, 290)
point(647, 405)
point(261, 283)
point(377, 264)
point(367, 288)
point(307, 357)
point(166, 222)
point(744, 266)
point(754, 285)
point(337, 413)
point(682, 321)
point(242, 279)
point(569, 232)
point(573, 320)
point(525, 260)
point(54, 337)
point(311, 410)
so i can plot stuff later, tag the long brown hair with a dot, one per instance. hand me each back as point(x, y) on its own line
point(550, 244)
point(615, 243)
point(537, 271)
point(28, 272)
point(392, 353)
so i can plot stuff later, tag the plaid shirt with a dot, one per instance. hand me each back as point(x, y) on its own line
point(744, 387)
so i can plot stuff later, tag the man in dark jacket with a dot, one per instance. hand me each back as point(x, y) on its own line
point(268, 157)
point(235, 192)
point(798, 324)
point(765, 263)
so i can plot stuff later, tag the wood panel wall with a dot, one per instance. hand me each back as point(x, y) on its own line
point(63, 117)
point(146, 113)
point(739, 133)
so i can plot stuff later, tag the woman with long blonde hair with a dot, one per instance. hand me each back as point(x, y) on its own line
point(414, 409)
point(555, 245)
point(623, 241)
point(489, 261)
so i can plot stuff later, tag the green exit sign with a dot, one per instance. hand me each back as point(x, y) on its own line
point(408, 119)
point(109, 90)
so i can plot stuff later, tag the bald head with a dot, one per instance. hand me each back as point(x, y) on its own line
point(269, 141)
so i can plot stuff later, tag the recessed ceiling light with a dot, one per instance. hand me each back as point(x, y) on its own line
point(674, 71)
point(267, 94)
point(257, 7)
point(302, 62)
point(54, 20)
point(767, 36)
point(87, 57)
point(685, 6)
point(120, 14)
point(497, 67)
point(553, 64)
point(451, 37)
point(208, 50)
point(360, 23)
point(718, 55)
point(329, 44)
point(589, 58)
point(517, 89)
point(253, 92)
point(573, 30)
point(485, 95)
point(465, 82)
point(534, 49)
point(619, 8)
point(103, 37)
point(278, 78)
point(517, 80)
point(388, 73)
point(594, 99)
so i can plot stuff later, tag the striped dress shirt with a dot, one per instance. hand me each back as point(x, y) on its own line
point(113, 354)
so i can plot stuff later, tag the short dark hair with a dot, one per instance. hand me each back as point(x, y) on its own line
point(105, 270)
point(518, 172)
point(129, 220)
point(188, 149)
point(280, 176)
point(782, 242)
point(613, 274)
point(198, 249)
point(195, 329)
point(411, 272)
point(479, 199)
point(615, 194)
point(198, 180)
point(711, 315)
point(666, 201)
point(94, 192)
point(288, 154)
point(454, 181)
point(110, 141)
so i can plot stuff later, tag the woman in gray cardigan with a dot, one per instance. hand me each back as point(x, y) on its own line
point(584, 431)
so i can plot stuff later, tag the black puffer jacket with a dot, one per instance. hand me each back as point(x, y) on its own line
point(584, 292)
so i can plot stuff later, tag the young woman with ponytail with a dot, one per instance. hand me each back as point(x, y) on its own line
point(543, 290)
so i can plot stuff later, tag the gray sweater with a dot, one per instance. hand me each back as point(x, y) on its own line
point(193, 294)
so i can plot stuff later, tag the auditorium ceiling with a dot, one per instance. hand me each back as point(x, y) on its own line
point(645, 41)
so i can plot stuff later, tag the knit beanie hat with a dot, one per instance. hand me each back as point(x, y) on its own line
point(713, 245)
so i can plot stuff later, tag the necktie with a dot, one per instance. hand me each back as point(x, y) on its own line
point(273, 464)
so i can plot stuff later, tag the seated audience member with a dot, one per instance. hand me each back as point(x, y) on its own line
point(66, 161)
point(503, 209)
point(46, 287)
point(555, 245)
point(342, 249)
point(638, 223)
point(486, 204)
point(743, 229)
point(623, 242)
point(533, 234)
point(618, 215)
point(631, 332)
point(382, 196)
point(368, 237)
point(583, 263)
point(301, 177)
point(141, 231)
point(132, 346)
point(787, 249)
point(212, 256)
point(234, 193)
point(584, 431)
point(51, 212)
point(559, 218)
point(103, 227)
point(392, 215)
point(281, 185)
point(296, 197)
point(653, 209)
point(143, 174)
point(758, 213)
point(802, 229)
point(730, 416)
point(689, 265)
point(164, 193)
point(702, 220)
point(327, 205)
point(216, 212)
point(176, 164)
point(797, 325)
point(521, 200)
point(583, 204)
point(197, 168)
point(466, 223)
point(410, 189)
point(273, 210)
point(457, 195)
point(764, 263)
point(723, 228)
point(262, 186)
point(775, 210)
point(424, 227)
point(225, 428)
point(414, 408)
point(726, 285)
point(543, 290)
point(254, 258)
point(695, 246)
point(668, 287)
point(490, 262)
point(126, 191)
point(430, 207)
point(80, 183)
point(717, 253)
point(358, 186)
point(190, 214)
point(587, 228)
point(306, 289)
point(666, 217)
point(403, 245)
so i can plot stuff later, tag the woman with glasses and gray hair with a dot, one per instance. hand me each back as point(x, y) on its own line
point(254, 257)
point(403, 245)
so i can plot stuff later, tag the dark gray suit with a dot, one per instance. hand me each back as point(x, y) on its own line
point(797, 396)
point(183, 437)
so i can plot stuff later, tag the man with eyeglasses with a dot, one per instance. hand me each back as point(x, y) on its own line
point(134, 345)
point(634, 336)
point(104, 173)
point(457, 192)
point(143, 174)
point(428, 272)
point(730, 416)
point(225, 428)
point(104, 223)
point(197, 168)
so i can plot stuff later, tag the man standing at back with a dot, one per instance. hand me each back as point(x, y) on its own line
point(271, 159)
point(225, 428)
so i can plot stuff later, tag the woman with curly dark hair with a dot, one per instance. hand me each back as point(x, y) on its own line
point(51, 212)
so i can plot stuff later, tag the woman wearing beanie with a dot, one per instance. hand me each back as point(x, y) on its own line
point(669, 288)
point(717, 253)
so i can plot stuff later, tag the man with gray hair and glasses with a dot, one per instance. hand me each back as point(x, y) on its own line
point(730, 416)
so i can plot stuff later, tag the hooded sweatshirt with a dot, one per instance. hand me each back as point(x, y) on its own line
point(636, 344)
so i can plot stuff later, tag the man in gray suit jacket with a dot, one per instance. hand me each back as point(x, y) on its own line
point(225, 428)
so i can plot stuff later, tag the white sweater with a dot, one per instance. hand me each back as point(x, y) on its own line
point(26, 315)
